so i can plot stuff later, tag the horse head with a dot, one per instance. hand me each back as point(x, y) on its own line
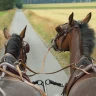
point(76, 37)
point(62, 41)
point(15, 46)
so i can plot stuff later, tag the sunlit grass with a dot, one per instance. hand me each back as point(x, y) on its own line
point(5, 21)
point(2, 39)
point(61, 15)
point(2, 13)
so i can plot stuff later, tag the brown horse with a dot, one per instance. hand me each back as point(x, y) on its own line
point(12, 83)
point(78, 38)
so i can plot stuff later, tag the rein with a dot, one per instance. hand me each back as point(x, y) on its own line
point(42, 68)
point(21, 62)
point(70, 65)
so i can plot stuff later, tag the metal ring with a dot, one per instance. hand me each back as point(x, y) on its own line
point(40, 82)
point(47, 82)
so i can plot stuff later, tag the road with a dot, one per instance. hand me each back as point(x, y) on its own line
point(36, 55)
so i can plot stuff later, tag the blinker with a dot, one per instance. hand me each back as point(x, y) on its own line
point(26, 47)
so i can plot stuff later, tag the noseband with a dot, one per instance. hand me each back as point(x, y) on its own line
point(64, 33)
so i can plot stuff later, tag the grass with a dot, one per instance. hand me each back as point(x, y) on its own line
point(60, 6)
point(44, 22)
point(5, 21)
point(2, 13)
point(61, 15)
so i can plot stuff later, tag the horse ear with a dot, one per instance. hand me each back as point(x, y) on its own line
point(6, 33)
point(22, 34)
point(87, 18)
point(71, 19)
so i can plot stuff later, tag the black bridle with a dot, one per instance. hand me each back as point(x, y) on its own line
point(64, 33)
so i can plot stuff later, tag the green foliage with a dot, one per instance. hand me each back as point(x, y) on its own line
point(6, 4)
point(93, 0)
point(19, 3)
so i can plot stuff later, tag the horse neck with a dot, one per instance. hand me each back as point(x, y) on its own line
point(75, 48)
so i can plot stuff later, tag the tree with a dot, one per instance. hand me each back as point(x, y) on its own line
point(6, 4)
point(19, 3)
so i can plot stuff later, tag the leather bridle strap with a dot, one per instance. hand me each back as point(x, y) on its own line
point(64, 33)
point(19, 71)
point(80, 69)
point(67, 31)
point(11, 74)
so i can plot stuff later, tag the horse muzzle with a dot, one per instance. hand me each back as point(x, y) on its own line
point(54, 45)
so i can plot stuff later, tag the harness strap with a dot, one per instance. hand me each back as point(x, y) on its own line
point(7, 64)
point(36, 87)
point(3, 73)
point(19, 71)
point(10, 55)
point(80, 69)
point(11, 74)
point(18, 77)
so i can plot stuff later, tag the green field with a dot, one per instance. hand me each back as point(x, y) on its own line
point(2, 13)
point(60, 6)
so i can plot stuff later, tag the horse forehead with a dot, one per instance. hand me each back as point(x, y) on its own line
point(16, 36)
point(64, 25)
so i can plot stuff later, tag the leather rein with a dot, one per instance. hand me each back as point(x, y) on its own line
point(21, 62)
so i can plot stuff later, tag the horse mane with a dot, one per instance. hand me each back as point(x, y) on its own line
point(88, 37)
point(88, 44)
